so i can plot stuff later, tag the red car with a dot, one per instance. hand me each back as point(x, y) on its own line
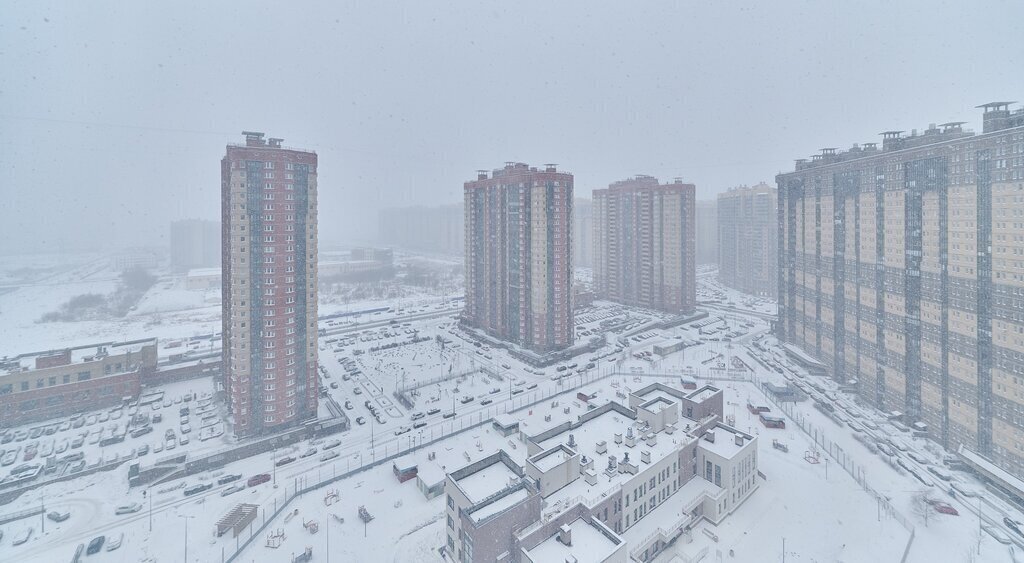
point(258, 479)
point(946, 509)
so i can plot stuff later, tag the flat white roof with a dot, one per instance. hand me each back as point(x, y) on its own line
point(486, 482)
point(604, 428)
point(725, 442)
point(588, 545)
point(552, 459)
point(497, 506)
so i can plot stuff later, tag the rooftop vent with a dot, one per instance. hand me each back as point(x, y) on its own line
point(710, 436)
point(565, 535)
point(739, 440)
point(645, 456)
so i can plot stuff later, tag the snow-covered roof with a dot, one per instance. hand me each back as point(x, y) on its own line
point(507, 501)
point(725, 441)
point(589, 545)
point(483, 483)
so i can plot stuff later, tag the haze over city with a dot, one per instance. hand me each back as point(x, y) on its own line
point(528, 282)
point(404, 101)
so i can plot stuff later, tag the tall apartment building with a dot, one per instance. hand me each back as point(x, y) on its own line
point(583, 233)
point(901, 267)
point(433, 229)
point(748, 239)
point(518, 255)
point(195, 243)
point(644, 251)
point(707, 231)
point(268, 217)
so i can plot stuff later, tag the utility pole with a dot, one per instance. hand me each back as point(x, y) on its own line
point(187, 518)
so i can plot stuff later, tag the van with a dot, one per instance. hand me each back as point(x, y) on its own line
point(258, 479)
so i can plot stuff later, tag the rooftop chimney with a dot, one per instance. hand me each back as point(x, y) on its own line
point(274, 142)
point(739, 440)
point(254, 139)
point(565, 535)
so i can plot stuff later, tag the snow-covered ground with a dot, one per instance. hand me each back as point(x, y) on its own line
point(823, 513)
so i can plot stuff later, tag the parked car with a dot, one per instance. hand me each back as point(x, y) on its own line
point(327, 456)
point(95, 545)
point(402, 430)
point(225, 479)
point(1013, 525)
point(307, 453)
point(128, 508)
point(448, 415)
point(258, 479)
point(419, 424)
point(284, 461)
point(332, 444)
point(58, 516)
point(196, 489)
point(115, 543)
point(360, 421)
point(434, 411)
point(232, 489)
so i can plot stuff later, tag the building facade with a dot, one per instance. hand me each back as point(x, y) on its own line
point(644, 244)
point(45, 385)
point(901, 268)
point(519, 256)
point(707, 231)
point(439, 229)
point(269, 233)
point(748, 239)
point(195, 243)
point(583, 233)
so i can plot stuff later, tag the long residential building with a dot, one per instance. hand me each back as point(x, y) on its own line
point(707, 231)
point(619, 483)
point(195, 243)
point(269, 218)
point(902, 267)
point(644, 252)
point(519, 256)
point(583, 233)
point(45, 385)
point(747, 239)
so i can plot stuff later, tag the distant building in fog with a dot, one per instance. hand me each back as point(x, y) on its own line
point(269, 303)
point(583, 233)
point(135, 258)
point(518, 256)
point(747, 239)
point(433, 229)
point(195, 243)
point(644, 251)
point(707, 232)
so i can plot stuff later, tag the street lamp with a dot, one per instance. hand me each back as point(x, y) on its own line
point(187, 518)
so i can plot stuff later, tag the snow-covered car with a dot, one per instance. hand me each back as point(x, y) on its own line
point(433, 411)
point(232, 489)
point(332, 444)
point(307, 453)
point(327, 456)
point(284, 461)
point(128, 508)
point(58, 516)
point(402, 430)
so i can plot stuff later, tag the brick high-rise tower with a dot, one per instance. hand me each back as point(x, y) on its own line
point(518, 256)
point(644, 249)
point(269, 245)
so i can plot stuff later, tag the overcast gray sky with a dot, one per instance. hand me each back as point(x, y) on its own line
point(114, 115)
